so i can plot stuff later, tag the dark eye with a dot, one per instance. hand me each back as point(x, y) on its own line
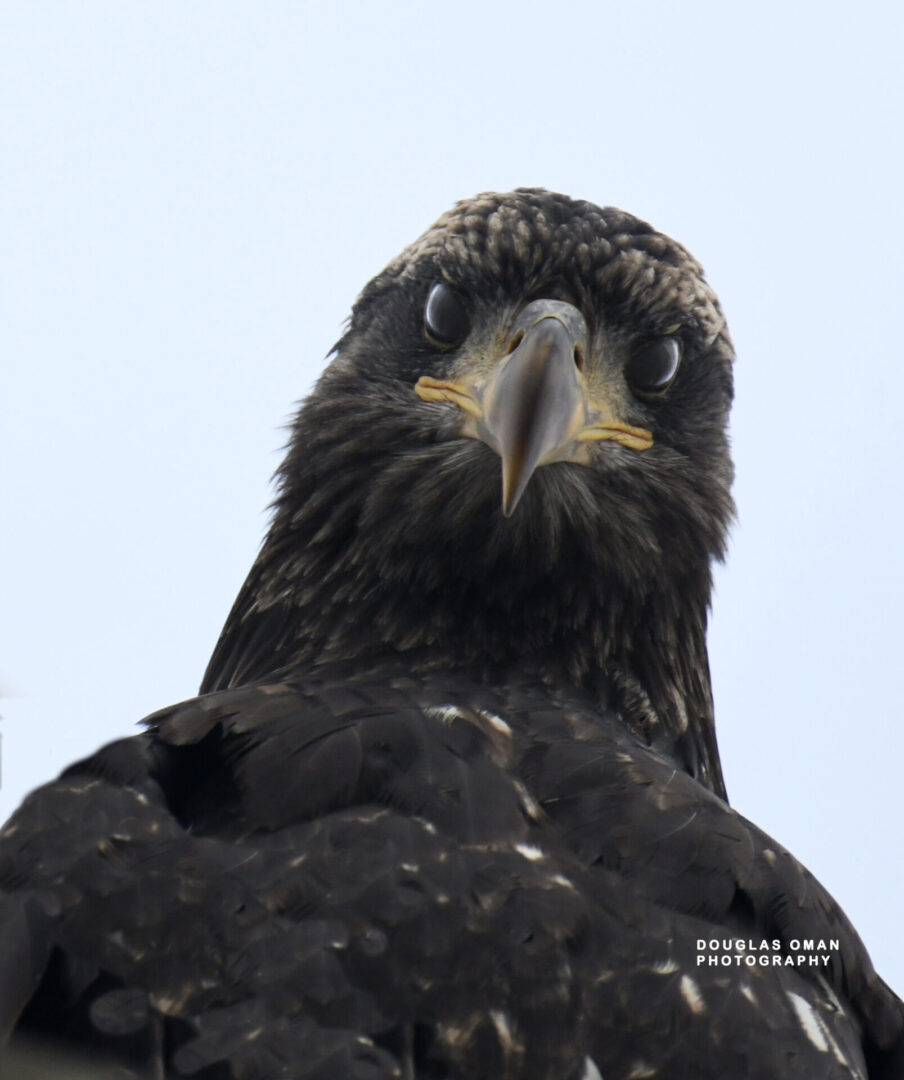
point(445, 316)
point(653, 365)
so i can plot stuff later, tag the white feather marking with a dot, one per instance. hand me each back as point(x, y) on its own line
point(809, 1021)
point(591, 1072)
point(748, 993)
point(503, 1030)
point(498, 723)
point(835, 1005)
point(690, 991)
point(446, 713)
point(665, 967)
point(836, 1049)
point(530, 805)
point(529, 851)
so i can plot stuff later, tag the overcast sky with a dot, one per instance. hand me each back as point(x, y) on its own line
point(193, 194)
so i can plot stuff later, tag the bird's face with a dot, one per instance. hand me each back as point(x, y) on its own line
point(554, 361)
point(525, 392)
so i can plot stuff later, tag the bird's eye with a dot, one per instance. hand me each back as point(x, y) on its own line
point(653, 365)
point(445, 316)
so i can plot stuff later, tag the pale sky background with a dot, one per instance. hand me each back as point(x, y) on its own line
point(193, 194)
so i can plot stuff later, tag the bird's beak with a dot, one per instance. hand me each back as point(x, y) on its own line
point(534, 408)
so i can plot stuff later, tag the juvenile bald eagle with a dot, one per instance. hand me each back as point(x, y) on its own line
point(450, 802)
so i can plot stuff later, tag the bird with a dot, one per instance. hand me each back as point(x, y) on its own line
point(449, 804)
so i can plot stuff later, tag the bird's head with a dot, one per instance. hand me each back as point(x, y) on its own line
point(533, 361)
point(519, 445)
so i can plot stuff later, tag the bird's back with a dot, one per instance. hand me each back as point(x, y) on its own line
point(380, 874)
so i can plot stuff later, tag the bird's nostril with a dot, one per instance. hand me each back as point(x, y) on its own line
point(515, 342)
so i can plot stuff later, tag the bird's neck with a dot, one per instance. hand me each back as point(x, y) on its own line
point(570, 627)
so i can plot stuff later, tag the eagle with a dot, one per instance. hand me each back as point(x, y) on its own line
point(449, 804)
